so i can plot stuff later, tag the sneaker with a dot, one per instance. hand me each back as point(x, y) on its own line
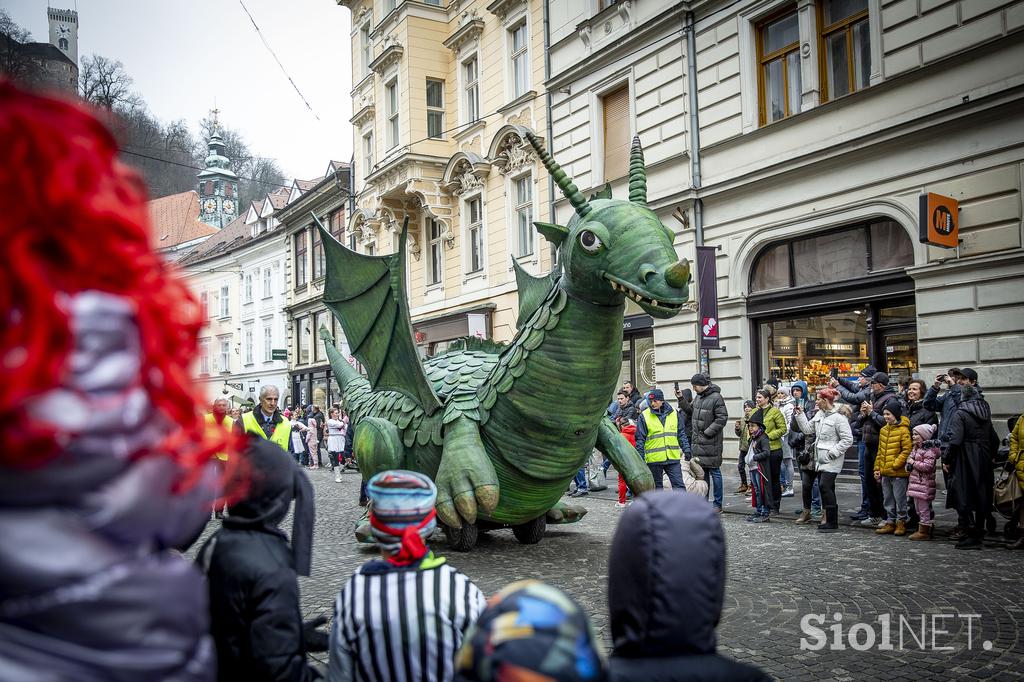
point(859, 516)
point(621, 505)
point(788, 492)
point(816, 514)
point(872, 522)
point(582, 493)
point(718, 510)
point(957, 533)
point(753, 518)
point(766, 519)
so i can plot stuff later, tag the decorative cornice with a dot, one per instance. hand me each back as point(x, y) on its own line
point(365, 113)
point(469, 32)
point(392, 54)
point(514, 154)
point(527, 96)
point(502, 8)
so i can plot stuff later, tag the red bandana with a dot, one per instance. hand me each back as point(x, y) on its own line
point(413, 547)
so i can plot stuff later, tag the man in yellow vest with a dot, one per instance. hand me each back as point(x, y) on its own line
point(659, 438)
point(266, 420)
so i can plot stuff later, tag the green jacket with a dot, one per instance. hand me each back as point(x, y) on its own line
point(775, 427)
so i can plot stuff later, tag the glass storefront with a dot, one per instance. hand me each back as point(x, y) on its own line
point(638, 352)
point(812, 347)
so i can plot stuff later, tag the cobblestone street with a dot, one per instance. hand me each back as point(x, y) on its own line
point(778, 573)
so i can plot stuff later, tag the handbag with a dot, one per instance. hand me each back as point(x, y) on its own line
point(1007, 492)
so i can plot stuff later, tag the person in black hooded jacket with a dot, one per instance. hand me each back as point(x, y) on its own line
point(666, 584)
point(251, 572)
point(971, 446)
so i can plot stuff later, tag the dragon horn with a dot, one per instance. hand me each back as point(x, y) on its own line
point(637, 174)
point(571, 191)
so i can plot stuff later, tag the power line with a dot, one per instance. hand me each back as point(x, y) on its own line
point(274, 55)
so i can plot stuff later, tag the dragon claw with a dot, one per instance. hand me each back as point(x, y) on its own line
point(326, 335)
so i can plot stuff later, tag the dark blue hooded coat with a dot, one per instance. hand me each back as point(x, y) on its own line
point(666, 584)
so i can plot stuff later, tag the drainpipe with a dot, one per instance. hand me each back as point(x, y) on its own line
point(691, 65)
point(550, 127)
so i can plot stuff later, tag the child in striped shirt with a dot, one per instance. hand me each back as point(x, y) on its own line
point(403, 617)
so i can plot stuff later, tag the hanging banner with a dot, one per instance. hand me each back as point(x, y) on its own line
point(707, 298)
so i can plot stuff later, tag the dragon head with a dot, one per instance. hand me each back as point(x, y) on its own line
point(614, 249)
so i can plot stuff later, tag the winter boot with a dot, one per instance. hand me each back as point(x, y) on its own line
point(924, 532)
point(830, 520)
point(901, 528)
point(887, 529)
point(742, 489)
point(337, 474)
point(805, 517)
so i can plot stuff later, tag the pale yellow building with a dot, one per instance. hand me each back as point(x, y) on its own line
point(442, 96)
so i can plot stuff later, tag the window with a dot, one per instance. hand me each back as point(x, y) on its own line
point(471, 86)
point(318, 254)
point(366, 47)
point(225, 355)
point(520, 60)
point(352, 241)
point(63, 43)
point(204, 304)
point(204, 356)
point(370, 249)
point(778, 79)
point(476, 234)
point(367, 154)
point(616, 133)
point(247, 288)
point(247, 346)
point(435, 266)
point(523, 196)
point(833, 257)
point(336, 224)
point(435, 108)
point(391, 103)
point(389, 5)
point(225, 302)
point(302, 340)
point(268, 343)
point(300, 258)
point(845, 46)
point(320, 320)
point(267, 283)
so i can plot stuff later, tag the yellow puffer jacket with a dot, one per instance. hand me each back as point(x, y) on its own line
point(893, 449)
point(1017, 448)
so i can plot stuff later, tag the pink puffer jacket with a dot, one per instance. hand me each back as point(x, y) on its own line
point(922, 475)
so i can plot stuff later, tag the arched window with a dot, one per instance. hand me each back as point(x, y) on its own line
point(63, 44)
point(832, 257)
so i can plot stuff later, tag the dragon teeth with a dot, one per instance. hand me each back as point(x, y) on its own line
point(654, 302)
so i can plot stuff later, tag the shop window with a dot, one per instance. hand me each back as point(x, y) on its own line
point(809, 348)
point(832, 257)
point(845, 46)
point(890, 246)
point(778, 56)
point(829, 258)
point(772, 269)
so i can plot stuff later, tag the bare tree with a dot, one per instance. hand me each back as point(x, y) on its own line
point(105, 83)
point(13, 61)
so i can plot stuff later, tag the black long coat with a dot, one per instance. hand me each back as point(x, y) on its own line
point(970, 449)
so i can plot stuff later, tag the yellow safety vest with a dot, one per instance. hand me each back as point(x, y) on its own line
point(662, 439)
point(227, 423)
point(282, 434)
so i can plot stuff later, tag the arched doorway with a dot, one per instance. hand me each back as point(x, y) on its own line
point(832, 303)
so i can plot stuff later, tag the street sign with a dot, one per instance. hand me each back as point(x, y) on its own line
point(278, 353)
point(938, 220)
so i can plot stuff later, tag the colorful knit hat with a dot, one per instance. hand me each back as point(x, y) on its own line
point(402, 513)
point(531, 632)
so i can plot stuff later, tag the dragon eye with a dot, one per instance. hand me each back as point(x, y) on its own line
point(590, 241)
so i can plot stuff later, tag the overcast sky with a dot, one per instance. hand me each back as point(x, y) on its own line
point(184, 54)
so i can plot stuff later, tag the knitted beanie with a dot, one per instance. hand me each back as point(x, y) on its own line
point(926, 431)
point(401, 500)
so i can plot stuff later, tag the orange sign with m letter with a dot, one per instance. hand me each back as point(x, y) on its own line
point(938, 220)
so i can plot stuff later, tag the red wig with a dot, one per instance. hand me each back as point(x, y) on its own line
point(75, 220)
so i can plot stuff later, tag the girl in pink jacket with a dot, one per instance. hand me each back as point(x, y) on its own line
point(921, 465)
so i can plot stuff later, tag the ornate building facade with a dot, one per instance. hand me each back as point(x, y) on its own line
point(442, 98)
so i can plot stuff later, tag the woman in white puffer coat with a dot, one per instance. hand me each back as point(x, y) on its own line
point(833, 438)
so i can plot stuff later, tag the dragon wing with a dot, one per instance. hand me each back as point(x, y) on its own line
point(367, 295)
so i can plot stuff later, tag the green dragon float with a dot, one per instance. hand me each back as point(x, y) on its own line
point(501, 428)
